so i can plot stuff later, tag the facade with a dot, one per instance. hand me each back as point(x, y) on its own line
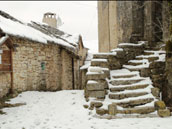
point(44, 59)
point(130, 21)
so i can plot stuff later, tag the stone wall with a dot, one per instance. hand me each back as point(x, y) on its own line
point(167, 89)
point(103, 26)
point(39, 66)
point(129, 21)
point(5, 83)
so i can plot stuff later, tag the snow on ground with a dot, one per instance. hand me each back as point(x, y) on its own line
point(64, 110)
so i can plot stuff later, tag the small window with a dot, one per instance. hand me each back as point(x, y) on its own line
point(43, 65)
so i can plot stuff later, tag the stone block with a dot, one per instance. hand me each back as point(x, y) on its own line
point(96, 104)
point(96, 76)
point(95, 86)
point(157, 65)
point(145, 72)
point(164, 112)
point(96, 94)
point(155, 92)
point(159, 105)
point(101, 111)
point(112, 109)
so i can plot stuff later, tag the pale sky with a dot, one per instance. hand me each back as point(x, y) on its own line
point(78, 16)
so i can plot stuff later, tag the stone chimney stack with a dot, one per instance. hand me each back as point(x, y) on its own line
point(50, 19)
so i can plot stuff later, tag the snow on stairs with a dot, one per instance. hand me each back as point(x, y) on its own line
point(132, 94)
point(127, 92)
point(96, 77)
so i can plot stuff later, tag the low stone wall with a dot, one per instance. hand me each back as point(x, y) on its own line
point(167, 88)
point(124, 53)
point(5, 83)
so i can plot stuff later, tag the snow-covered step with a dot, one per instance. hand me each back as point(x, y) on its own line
point(148, 53)
point(103, 55)
point(100, 63)
point(138, 110)
point(134, 63)
point(149, 57)
point(136, 68)
point(126, 95)
point(131, 87)
point(126, 81)
point(135, 102)
point(124, 76)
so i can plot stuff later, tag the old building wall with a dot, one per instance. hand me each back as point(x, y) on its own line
point(113, 24)
point(5, 70)
point(124, 19)
point(128, 21)
point(5, 83)
point(36, 66)
point(103, 26)
point(67, 71)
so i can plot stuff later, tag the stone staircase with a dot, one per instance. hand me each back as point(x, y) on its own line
point(127, 91)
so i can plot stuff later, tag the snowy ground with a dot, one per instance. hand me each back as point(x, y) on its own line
point(64, 110)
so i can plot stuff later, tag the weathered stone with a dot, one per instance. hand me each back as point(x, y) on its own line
point(94, 86)
point(159, 105)
point(96, 104)
point(138, 110)
point(100, 64)
point(157, 65)
point(157, 71)
point(115, 89)
point(164, 112)
point(125, 82)
point(127, 95)
point(155, 92)
point(96, 76)
point(133, 103)
point(85, 106)
point(112, 109)
point(135, 63)
point(145, 72)
point(96, 94)
point(100, 56)
point(124, 76)
point(101, 111)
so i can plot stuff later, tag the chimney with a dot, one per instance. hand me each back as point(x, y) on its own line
point(50, 19)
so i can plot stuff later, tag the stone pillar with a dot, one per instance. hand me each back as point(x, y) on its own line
point(103, 26)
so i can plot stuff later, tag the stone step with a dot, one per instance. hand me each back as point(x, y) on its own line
point(150, 59)
point(135, 69)
point(133, 103)
point(96, 94)
point(97, 85)
point(100, 56)
point(132, 87)
point(148, 53)
point(100, 62)
point(126, 95)
point(124, 76)
point(137, 110)
point(125, 81)
point(134, 63)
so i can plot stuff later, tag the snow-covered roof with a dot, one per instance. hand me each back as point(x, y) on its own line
point(37, 32)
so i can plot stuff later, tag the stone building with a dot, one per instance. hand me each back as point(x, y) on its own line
point(130, 21)
point(36, 56)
